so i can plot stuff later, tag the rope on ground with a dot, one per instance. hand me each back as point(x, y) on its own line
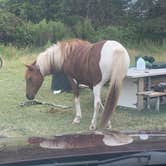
point(36, 102)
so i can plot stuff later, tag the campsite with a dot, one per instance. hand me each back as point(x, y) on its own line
point(24, 34)
point(111, 55)
point(43, 120)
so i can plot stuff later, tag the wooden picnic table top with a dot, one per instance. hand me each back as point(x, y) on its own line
point(152, 93)
point(134, 73)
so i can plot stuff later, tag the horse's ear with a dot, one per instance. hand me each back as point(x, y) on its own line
point(34, 63)
point(29, 67)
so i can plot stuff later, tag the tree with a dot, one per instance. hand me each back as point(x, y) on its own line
point(8, 24)
point(150, 19)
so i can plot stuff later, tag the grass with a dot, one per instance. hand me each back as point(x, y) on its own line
point(16, 121)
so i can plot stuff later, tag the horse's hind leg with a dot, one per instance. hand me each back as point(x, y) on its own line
point(101, 105)
point(97, 105)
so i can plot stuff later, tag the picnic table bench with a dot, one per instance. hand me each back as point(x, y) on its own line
point(152, 94)
point(137, 86)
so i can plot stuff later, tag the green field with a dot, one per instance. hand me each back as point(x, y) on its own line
point(18, 121)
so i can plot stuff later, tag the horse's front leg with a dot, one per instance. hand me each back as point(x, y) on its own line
point(78, 114)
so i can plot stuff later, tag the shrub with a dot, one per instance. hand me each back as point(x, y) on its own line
point(30, 34)
point(120, 34)
point(44, 31)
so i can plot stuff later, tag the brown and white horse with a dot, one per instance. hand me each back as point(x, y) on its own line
point(83, 63)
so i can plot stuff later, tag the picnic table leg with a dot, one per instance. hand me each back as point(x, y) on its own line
point(148, 88)
point(158, 104)
point(140, 98)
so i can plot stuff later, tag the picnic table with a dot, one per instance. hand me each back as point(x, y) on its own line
point(136, 82)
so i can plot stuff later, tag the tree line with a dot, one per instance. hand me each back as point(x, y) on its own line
point(37, 23)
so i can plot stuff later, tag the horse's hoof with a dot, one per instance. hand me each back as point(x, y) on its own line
point(76, 120)
point(92, 127)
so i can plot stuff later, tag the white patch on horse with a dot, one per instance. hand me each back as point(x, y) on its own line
point(113, 64)
point(106, 60)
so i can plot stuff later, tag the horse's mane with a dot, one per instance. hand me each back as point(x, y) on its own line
point(53, 57)
point(49, 60)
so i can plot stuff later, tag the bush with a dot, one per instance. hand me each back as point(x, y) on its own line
point(38, 35)
point(23, 36)
point(120, 34)
point(50, 31)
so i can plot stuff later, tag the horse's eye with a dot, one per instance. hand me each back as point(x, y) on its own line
point(30, 79)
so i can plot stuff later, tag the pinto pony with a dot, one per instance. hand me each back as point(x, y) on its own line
point(83, 63)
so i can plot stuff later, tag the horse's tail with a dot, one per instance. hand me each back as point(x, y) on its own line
point(119, 68)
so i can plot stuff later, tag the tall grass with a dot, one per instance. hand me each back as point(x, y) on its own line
point(148, 45)
point(149, 48)
point(10, 51)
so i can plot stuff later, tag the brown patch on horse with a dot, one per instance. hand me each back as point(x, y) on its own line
point(33, 79)
point(82, 62)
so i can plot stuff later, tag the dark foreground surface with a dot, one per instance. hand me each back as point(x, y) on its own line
point(110, 148)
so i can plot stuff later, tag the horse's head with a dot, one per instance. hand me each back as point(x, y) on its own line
point(34, 80)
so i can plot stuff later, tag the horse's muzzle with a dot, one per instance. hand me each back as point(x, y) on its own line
point(30, 97)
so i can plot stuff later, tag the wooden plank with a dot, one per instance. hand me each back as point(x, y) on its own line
point(152, 93)
point(157, 94)
point(134, 73)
